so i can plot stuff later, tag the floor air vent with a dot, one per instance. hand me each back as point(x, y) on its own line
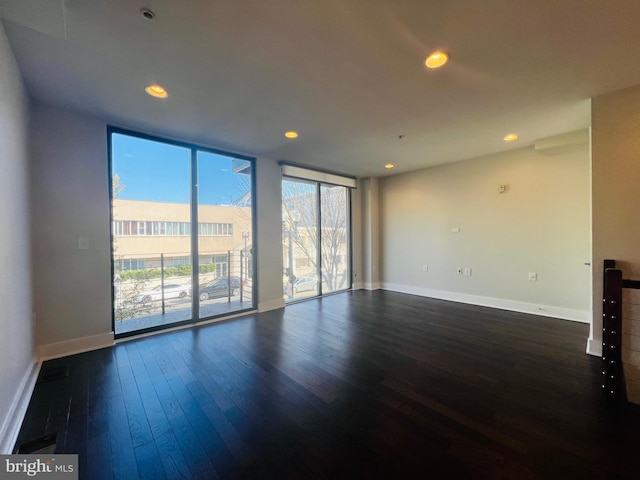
point(49, 374)
point(43, 445)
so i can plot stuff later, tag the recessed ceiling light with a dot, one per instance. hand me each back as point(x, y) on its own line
point(291, 134)
point(511, 137)
point(389, 166)
point(436, 59)
point(156, 91)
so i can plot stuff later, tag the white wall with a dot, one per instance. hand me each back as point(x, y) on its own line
point(615, 119)
point(369, 193)
point(71, 200)
point(269, 236)
point(17, 359)
point(541, 224)
point(357, 236)
point(70, 197)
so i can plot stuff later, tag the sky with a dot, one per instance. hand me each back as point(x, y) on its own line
point(160, 172)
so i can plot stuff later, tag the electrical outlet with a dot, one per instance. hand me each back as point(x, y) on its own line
point(459, 271)
point(533, 277)
point(425, 268)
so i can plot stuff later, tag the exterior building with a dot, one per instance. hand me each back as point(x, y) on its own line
point(144, 232)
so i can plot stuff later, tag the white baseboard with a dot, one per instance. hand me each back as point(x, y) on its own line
point(13, 421)
point(77, 345)
point(187, 326)
point(225, 318)
point(271, 305)
point(502, 304)
point(594, 347)
point(372, 285)
point(358, 286)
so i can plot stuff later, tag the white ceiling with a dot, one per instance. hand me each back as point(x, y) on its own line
point(347, 74)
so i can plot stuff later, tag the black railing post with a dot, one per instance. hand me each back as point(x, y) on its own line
point(241, 272)
point(228, 276)
point(612, 332)
point(162, 279)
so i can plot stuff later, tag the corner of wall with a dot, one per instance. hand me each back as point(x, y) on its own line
point(270, 305)
point(19, 367)
point(614, 192)
point(13, 421)
point(370, 210)
point(72, 347)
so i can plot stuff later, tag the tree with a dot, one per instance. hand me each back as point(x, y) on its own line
point(300, 228)
point(334, 236)
point(117, 185)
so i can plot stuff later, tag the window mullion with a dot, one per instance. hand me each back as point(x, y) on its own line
point(319, 238)
point(195, 257)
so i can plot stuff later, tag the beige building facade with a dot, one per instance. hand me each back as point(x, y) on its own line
point(143, 231)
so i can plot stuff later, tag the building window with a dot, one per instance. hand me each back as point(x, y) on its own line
point(127, 264)
point(180, 261)
point(146, 228)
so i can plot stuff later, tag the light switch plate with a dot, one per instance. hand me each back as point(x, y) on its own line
point(83, 243)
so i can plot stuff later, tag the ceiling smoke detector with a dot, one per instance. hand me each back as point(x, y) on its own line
point(148, 14)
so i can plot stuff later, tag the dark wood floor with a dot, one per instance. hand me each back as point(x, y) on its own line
point(356, 385)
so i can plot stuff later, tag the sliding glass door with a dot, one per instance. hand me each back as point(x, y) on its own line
point(316, 237)
point(225, 234)
point(182, 232)
point(299, 233)
point(334, 238)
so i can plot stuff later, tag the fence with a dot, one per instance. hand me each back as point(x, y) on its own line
point(144, 284)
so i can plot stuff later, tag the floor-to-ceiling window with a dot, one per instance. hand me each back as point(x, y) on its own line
point(182, 232)
point(224, 233)
point(299, 234)
point(334, 238)
point(315, 232)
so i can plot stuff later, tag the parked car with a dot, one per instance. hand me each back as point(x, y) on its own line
point(305, 284)
point(219, 287)
point(171, 290)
